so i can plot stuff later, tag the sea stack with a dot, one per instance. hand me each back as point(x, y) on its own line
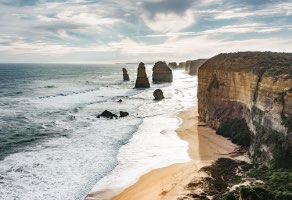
point(181, 65)
point(172, 65)
point(142, 80)
point(158, 94)
point(161, 72)
point(125, 75)
point(194, 66)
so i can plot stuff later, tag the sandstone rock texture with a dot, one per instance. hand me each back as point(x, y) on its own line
point(173, 65)
point(125, 75)
point(192, 66)
point(256, 87)
point(158, 94)
point(161, 72)
point(142, 80)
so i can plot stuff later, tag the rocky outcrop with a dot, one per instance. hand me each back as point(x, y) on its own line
point(107, 114)
point(256, 87)
point(173, 65)
point(123, 114)
point(192, 66)
point(158, 94)
point(125, 75)
point(161, 72)
point(142, 80)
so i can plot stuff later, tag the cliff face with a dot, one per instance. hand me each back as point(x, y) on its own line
point(256, 87)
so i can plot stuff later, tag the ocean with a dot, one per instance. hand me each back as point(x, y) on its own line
point(52, 145)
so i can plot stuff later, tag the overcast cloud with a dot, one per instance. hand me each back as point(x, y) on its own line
point(109, 31)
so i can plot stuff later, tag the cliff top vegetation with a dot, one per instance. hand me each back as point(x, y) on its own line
point(273, 63)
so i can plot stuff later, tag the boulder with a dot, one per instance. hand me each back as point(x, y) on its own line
point(125, 75)
point(142, 80)
point(158, 94)
point(120, 101)
point(172, 65)
point(107, 114)
point(123, 114)
point(161, 72)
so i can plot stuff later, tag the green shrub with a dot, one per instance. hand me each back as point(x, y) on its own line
point(237, 130)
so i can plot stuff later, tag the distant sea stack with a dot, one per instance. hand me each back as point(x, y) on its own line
point(181, 65)
point(142, 80)
point(125, 75)
point(194, 66)
point(247, 96)
point(161, 72)
point(172, 65)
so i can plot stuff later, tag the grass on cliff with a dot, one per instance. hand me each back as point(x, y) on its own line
point(237, 130)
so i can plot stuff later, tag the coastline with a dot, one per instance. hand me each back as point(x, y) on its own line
point(204, 147)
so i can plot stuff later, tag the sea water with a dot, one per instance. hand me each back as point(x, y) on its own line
point(52, 145)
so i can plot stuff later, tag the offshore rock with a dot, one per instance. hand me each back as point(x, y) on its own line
point(142, 80)
point(181, 65)
point(107, 114)
point(172, 65)
point(161, 72)
point(256, 87)
point(125, 75)
point(158, 94)
point(123, 114)
point(192, 67)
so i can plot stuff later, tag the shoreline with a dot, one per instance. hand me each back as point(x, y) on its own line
point(204, 147)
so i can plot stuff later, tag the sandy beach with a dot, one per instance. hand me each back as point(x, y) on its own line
point(204, 147)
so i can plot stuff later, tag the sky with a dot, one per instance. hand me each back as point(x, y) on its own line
point(126, 31)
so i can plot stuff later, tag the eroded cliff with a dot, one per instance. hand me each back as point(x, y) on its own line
point(255, 87)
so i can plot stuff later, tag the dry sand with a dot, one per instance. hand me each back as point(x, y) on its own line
point(169, 182)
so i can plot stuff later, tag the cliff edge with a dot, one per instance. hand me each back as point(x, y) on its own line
point(250, 93)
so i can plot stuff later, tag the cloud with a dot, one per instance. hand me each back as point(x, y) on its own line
point(129, 30)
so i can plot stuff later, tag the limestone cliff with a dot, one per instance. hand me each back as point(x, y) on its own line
point(256, 87)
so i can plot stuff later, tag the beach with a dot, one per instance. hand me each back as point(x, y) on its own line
point(204, 147)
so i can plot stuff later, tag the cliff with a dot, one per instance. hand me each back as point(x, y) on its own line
point(250, 91)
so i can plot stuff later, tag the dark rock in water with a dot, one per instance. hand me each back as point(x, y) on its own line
point(172, 65)
point(161, 72)
point(158, 94)
point(123, 114)
point(142, 80)
point(125, 75)
point(120, 101)
point(107, 114)
point(50, 86)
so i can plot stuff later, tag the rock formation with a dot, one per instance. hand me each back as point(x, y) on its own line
point(194, 66)
point(125, 75)
point(172, 65)
point(123, 114)
point(158, 94)
point(142, 80)
point(107, 114)
point(251, 87)
point(181, 65)
point(161, 72)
